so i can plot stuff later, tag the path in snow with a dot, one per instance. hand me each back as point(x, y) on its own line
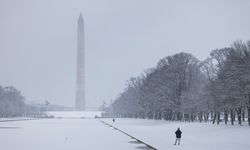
point(137, 141)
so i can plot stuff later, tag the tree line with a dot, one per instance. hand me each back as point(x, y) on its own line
point(11, 102)
point(183, 88)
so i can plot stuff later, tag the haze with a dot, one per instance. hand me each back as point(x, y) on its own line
point(123, 38)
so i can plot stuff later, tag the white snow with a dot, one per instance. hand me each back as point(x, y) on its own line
point(195, 136)
point(61, 134)
point(14, 119)
point(74, 133)
point(75, 114)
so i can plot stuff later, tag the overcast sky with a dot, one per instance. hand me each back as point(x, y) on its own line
point(123, 38)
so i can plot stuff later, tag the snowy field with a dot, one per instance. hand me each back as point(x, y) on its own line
point(90, 134)
point(61, 134)
point(75, 114)
point(195, 136)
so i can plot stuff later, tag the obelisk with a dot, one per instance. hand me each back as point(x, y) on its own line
point(80, 73)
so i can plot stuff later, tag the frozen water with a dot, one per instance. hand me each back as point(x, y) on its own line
point(61, 134)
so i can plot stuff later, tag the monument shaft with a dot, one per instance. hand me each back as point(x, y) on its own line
point(80, 74)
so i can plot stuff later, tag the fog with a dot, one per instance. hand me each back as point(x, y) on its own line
point(123, 38)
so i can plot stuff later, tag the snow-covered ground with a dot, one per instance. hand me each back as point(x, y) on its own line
point(61, 134)
point(195, 136)
point(75, 114)
point(15, 119)
point(75, 133)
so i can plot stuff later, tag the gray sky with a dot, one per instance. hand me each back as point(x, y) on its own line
point(123, 38)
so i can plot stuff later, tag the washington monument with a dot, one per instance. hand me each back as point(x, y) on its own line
point(80, 73)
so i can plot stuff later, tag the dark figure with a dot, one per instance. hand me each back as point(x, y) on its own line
point(113, 120)
point(178, 136)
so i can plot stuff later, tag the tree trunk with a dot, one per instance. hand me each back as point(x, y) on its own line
point(200, 116)
point(233, 116)
point(225, 116)
point(213, 117)
point(164, 116)
point(192, 117)
point(238, 110)
point(178, 116)
point(189, 117)
point(218, 118)
point(243, 114)
point(173, 116)
point(206, 116)
point(248, 115)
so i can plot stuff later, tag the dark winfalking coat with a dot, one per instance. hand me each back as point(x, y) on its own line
point(178, 133)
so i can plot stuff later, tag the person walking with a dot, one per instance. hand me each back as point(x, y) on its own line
point(178, 136)
point(113, 120)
